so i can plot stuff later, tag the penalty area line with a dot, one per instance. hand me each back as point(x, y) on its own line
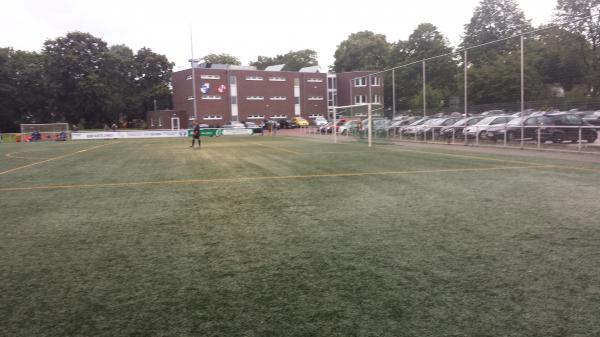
point(55, 158)
point(265, 178)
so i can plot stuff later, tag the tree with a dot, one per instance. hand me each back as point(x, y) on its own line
point(362, 51)
point(583, 17)
point(493, 20)
point(293, 60)
point(425, 42)
point(222, 59)
point(152, 80)
point(76, 67)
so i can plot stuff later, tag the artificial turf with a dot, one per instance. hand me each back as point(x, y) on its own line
point(276, 236)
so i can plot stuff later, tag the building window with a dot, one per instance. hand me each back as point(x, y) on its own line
point(296, 82)
point(314, 116)
point(315, 80)
point(278, 98)
point(360, 99)
point(213, 117)
point(279, 116)
point(189, 77)
point(255, 98)
point(210, 77)
point(315, 98)
point(232, 80)
point(331, 83)
point(376, 81)
point(360, 82)
point(254, 78)
point(376, 99)
point(277, 79)
point(256, 117)
point(190, 98)
point(211, 97)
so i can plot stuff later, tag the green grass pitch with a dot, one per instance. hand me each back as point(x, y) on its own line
point(281, 236)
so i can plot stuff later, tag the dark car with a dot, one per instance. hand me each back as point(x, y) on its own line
point(286, 124)
point(526, 127)
point(565, 126)
point(433, 129)
point(457, 128)
point(592, 117)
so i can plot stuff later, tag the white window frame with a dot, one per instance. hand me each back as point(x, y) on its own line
point(210, 77)
point(376, 81)
point(190, 98)
point(278, 98)
point(315, 98)
point(256, 117)
point(254, 78)
point(211, 97)
point(315, 80)
point(359, 99)
point(280, 116)
point(189, 77)
point(255, 98)
point(213, 117)
point(277, 79)
point(360, 82)
point(313, 116)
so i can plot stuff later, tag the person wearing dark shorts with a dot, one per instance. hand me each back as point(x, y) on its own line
point(196, 135)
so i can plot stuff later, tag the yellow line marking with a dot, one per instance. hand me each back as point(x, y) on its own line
point(253, 179)
point(53, 158)
point(278, 148)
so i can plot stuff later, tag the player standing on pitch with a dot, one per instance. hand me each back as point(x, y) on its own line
point(196, 135)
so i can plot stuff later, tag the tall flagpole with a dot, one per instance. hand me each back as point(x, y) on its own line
point(193, 75)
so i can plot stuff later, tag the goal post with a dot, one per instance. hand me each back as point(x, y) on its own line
point(45, 132)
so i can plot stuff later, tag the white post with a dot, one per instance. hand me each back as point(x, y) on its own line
point(370, 122)
point(466, 94)
point(193, 76)
point(333, 129)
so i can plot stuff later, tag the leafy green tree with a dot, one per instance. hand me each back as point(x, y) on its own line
point(362, 51)
point(583, 17)
point(8, 116)
point(222, 59)
point(293, 60)
point(152, 80)
point(425, 42)
point(493, 20)
point(434, 100)
point(76, 70)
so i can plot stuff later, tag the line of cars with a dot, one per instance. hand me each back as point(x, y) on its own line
point(552, 126)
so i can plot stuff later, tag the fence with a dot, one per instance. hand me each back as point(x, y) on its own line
point(529, 80)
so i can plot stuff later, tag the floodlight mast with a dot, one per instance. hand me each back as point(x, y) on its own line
point(192, 61)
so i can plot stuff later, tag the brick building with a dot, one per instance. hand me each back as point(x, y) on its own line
point(227, 93)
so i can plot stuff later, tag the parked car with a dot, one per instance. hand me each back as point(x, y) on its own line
point(286, 124)
point(411, 129)
point(456, 130)
point(592, 117)
point(480, 129)
point(319, 121)
point(514, 129)
point(433, 127)
point(234, 125)
point(299, 122)
point(550, 128)
point(349, 126)
point(492, 113)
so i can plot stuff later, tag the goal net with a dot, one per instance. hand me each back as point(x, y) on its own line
point(45, 132)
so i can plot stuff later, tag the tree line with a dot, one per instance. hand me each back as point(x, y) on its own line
point(79, 79)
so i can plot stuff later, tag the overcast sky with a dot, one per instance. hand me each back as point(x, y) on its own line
point(244, 29)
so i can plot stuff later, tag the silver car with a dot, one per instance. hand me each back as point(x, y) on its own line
point(480, 129)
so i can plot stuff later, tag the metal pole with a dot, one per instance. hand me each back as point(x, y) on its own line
point(466, 95)
point(393, 94)
point(370, 128)
point(424, 91)
point(193, 75)
point(522, 91)
point(154, 105)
